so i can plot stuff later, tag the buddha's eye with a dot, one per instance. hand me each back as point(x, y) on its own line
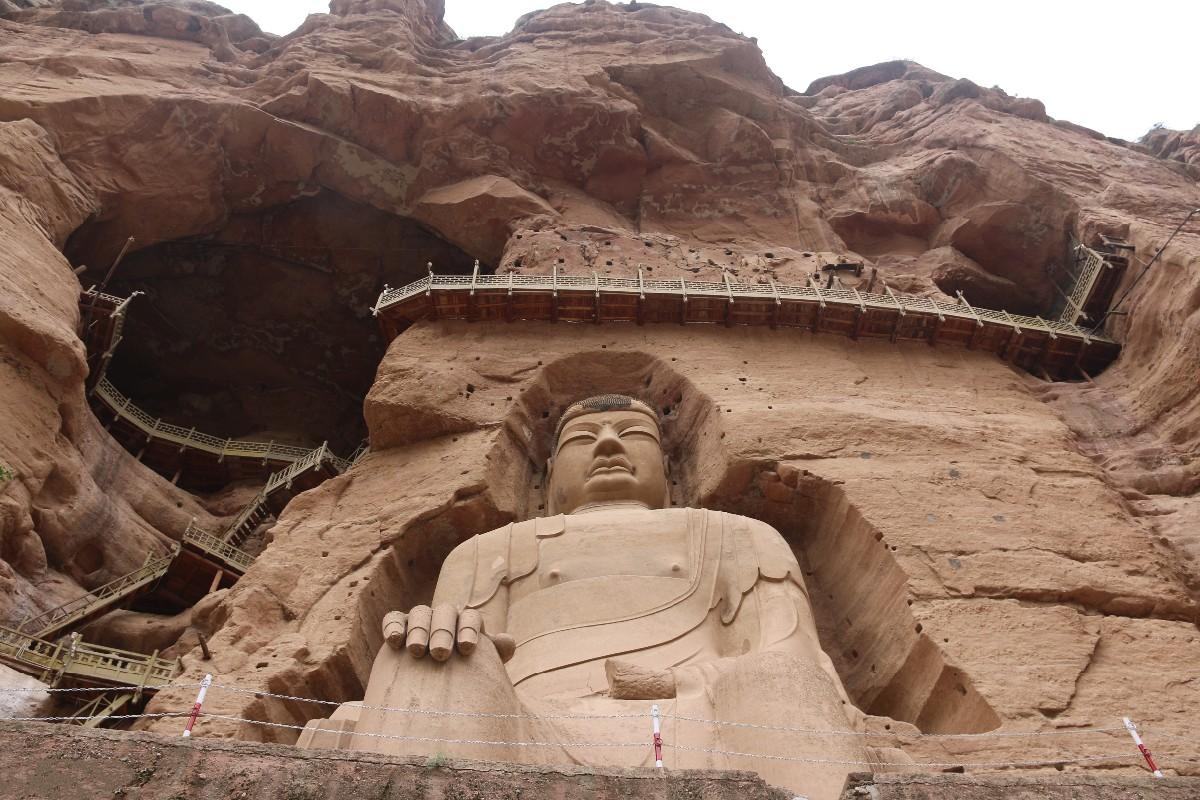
point(575, 437)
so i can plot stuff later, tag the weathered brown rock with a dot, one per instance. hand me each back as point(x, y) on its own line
point(77, 511)
point(985, 558)
point(1181, 146)
point(105, 764)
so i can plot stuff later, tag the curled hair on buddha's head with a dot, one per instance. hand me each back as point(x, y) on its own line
point(603, 402)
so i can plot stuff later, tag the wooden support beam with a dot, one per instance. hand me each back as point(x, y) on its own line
point(116, 263)
point(900, 313)
point(729, 297)
point(472, 300)
point(778, 305)
point(554, 295)
point(1013, 345)
point(816, 287)
point(1080, 353)
point(141, 685)
point(861, 316)
point(641, 303)
point(1051, 337)
point(978, 322)
point(508, 306)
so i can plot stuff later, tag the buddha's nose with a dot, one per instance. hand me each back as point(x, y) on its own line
point(608, 443)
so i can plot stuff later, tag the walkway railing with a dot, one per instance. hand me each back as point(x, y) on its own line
point(74, 611)
point(724, 291)
point(89, 663)
point(257, 510)
point(1032, 342)
point(236, 559)
point(155, 428)
point(1089, 263)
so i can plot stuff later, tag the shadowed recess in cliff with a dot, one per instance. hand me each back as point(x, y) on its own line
point(404, 572)
point(263, 329)
point(860, 600)
point(689, 425)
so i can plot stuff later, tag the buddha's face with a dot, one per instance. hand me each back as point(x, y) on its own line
point(608, 457)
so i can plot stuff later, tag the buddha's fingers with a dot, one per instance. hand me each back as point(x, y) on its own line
point(395, 625)
point(441, 632)
point(469, 623)
point(419, 621)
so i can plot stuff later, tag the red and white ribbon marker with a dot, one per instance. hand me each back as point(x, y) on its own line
point(204, 684)
point(1145, 751)
point(657, 736)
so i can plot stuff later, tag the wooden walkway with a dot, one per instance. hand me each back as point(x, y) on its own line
point(202, 461)
point(197, 565)
point(1055, 349)
point(73, 662)
point(82, 610)
point(302, 475)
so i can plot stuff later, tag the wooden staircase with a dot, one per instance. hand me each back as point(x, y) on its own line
point(306, 473)
point(83, 609)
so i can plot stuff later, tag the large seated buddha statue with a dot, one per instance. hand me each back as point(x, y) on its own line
point(564, 631)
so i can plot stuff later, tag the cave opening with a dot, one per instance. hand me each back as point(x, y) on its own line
point(263, 330)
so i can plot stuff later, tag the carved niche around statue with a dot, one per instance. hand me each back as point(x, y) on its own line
point(564, 630)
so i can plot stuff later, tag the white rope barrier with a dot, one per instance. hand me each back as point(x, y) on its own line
point(93, 716)
point(644, 715)
point(655, 744)
point(889, 765)
point(433, 738)
point(429, 711)
point(818, 732)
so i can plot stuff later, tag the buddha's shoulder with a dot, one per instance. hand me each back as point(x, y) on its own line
point(729, 520)
point(501, 540)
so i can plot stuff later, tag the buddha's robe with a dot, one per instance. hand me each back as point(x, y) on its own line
point(715, 600)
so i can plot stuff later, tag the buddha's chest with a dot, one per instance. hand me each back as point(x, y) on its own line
point(590, 549)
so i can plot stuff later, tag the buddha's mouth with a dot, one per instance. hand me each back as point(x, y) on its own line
point(610, 466)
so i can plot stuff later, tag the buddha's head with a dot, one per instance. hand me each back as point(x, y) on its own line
point(607, 450)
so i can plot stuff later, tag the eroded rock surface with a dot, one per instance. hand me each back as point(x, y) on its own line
point(986, 559)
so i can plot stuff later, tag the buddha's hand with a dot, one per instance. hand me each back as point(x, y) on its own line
point(438, 630)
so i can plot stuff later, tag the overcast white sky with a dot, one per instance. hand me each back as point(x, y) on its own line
point(1117, 67)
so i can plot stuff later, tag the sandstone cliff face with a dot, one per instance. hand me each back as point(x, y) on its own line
point(77, 510)
point(1183, 146)
point(968, 539)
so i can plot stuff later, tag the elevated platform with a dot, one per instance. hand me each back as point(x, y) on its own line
point(72, 663)
point(1053, 348)
point(82, 610)
point(204, 462)
point(304, 474)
